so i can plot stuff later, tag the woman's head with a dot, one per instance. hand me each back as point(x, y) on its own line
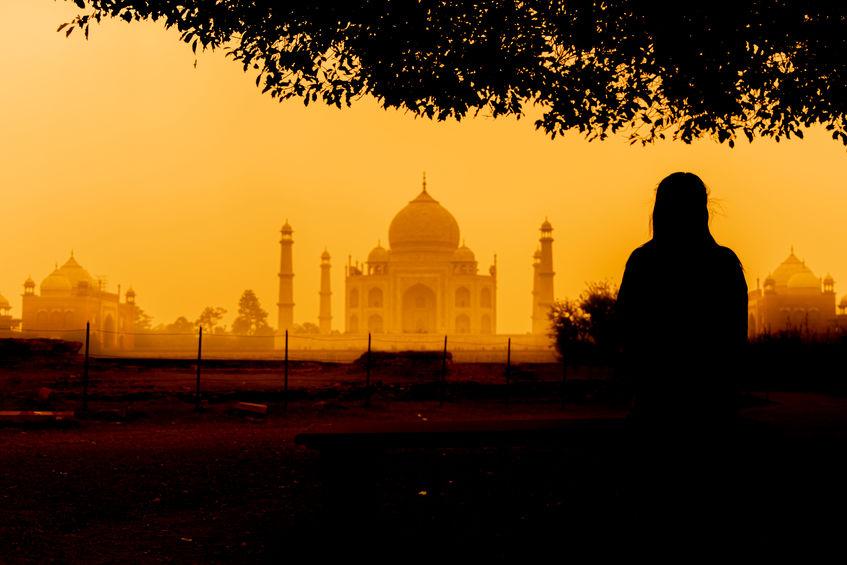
point(681, 211)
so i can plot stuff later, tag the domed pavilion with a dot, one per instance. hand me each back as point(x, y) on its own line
point(68, 298)
point(792, 298)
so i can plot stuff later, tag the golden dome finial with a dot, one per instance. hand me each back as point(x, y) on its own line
point(424, 181)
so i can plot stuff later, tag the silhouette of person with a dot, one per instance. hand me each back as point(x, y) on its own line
point(682, 305)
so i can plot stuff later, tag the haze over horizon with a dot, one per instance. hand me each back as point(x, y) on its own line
point(176, 180)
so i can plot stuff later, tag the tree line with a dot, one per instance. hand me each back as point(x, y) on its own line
point(252, 320)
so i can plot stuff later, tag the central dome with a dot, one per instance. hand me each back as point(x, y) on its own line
point(423, 224)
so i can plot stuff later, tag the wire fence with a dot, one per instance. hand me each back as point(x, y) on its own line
point(198, 366)
point(336, 347)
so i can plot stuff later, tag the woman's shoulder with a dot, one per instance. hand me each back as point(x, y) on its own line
point(642, 253)
point(726, 256)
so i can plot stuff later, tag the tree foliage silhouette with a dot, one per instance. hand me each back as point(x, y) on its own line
point(585, 330)
point(652, 69)
point(142, 321)
point(209, 318)
point(181, 325)
point(305, 328)
point(251, 319)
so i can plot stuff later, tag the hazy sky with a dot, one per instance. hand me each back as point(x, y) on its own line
point(176, 180)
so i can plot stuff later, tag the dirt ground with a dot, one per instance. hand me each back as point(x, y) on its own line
point(147, 479)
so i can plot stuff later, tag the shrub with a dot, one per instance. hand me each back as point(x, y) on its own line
point(585, 330)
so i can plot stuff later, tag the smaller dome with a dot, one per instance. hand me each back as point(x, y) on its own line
point(464, 255)
point(55, 283)
point(843, 303)
point(4, 304)
point(286, 228)
point(378, 254)
point(828, 280)
point(325, 255)
point(804, 281)
point(130, 293)
point(29, 283)
point(546, 226)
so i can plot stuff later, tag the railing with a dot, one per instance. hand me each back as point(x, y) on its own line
point(273, 364)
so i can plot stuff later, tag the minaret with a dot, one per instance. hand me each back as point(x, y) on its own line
point(536, 261)
point(543, 287)
point(325, 314)
point(285, 304)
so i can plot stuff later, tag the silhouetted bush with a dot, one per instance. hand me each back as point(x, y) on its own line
point(585, 330)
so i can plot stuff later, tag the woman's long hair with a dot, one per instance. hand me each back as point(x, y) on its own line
point(681, 213)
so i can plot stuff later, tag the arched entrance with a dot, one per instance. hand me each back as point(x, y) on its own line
point(419, 309)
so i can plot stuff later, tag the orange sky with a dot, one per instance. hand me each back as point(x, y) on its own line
point(176, 180)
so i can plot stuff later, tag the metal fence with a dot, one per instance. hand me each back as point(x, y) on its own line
point(200, 366)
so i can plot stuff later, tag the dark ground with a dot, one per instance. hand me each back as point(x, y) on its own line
point(149, 480)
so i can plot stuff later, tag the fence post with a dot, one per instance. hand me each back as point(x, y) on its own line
point(368, 372)
point(443, 373)
point(508, 370)
point(508, 360)
point(85, 370)
point(564, 376)
point(199, 359)
point(285, 377)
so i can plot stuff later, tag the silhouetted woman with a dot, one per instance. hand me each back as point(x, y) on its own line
point(683, 309)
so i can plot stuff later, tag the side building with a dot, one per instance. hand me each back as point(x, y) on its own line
point(792, 298)
point(68, 298)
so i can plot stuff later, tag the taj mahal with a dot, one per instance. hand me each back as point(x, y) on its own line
point(427, 281)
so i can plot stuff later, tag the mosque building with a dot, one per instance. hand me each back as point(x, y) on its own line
point(427, 281)
point(792, 298)
point(68, 298)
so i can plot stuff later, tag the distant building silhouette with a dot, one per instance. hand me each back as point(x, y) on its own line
point(792, 298)
point(69, 297)
point(425, 282)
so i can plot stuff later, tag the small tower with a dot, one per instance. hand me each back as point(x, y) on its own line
point(29, 286)
point(542, 296)
point(829, 284)
point(130, 296)
point(285, 305)
point(325, 313)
